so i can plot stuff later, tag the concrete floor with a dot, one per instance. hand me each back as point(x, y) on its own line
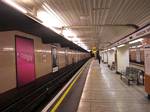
point(105, 92)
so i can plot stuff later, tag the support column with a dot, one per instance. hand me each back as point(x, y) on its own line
point(122, 58)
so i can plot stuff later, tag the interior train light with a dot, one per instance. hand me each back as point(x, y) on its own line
point(135, 41)
point(50, 19)
point(8, 49)
point(121, 45)
point(76, 40)
point(15, 5)
point(88, 50)
point(105, 51)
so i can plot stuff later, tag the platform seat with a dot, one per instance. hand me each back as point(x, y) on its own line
point(133, 75)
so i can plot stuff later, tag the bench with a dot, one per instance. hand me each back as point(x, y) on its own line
point(113, 66)
point(133, 75)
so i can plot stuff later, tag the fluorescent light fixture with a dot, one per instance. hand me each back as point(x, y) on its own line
point(84, 46)
point(52, 13)
point(48, 19)
point(76, 40)
point(121, 45)
point(104, 50)
point(135, 41)
point(68, 33)
point(133, 47)
point(139, 46)
point(114, 48)
point(15, 5)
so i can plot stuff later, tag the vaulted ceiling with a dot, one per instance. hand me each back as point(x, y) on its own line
point(97, 23)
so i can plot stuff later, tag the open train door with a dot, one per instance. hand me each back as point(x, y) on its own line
point(25, 60)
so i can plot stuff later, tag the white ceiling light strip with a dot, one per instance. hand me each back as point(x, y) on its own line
point(135, 41)
point(52, 13)
point(122, 45)
point(15, 5)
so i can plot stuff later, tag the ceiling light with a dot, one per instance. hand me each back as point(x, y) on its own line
point(15, 5)
point(121, 45)
point(48, 19)
point(52, 13)
point(135, 41)
point(113, 48)
point(133, 47)
point(68, 33)
point(8, 49)
point(88, 50)
point(139, 46)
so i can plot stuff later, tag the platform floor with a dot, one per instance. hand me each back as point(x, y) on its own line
point(105, 92)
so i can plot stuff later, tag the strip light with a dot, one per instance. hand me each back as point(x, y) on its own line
point(15, 5)
point(135, 41)
point(121, 45)
point(113, 48)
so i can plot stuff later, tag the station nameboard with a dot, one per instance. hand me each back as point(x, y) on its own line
point(143, 32)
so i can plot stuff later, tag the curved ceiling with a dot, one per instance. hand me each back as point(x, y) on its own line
point(97, 23)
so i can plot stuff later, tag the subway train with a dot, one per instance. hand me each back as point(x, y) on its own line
point(33, 71)
point(24, 58)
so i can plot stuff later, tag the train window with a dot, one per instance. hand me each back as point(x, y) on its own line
point(25, 60)
point(54, 59)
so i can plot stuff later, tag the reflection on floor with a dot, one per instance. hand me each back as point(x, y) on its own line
point(105, 92)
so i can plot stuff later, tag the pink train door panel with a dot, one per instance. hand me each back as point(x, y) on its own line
point(25, 60)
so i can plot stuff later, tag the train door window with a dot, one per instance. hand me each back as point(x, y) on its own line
point(25, 60)
point(54, 59)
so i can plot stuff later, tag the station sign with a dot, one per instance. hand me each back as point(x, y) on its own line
point(143, 32)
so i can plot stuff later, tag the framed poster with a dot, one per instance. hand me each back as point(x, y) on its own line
point(54, 59)
point(66, 57)
point(25, 60)
point(138, 55)
point(147, 59)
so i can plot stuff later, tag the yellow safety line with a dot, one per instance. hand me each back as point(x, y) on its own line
point(67, 91)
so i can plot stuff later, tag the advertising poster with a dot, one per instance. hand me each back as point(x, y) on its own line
point(54, 60)
point(147, 59)
point(138, 57)
point(66, 57)
point(25, 61)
